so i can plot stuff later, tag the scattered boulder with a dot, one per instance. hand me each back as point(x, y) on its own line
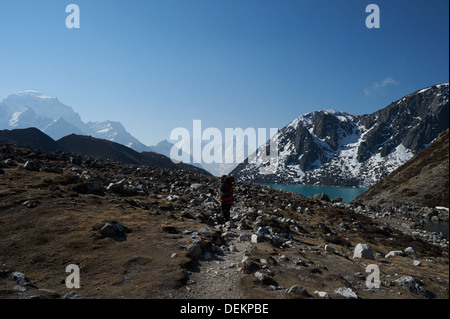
point(197, 186)
point(249, 266)
point(256, 238)
point(330, 248)
point(322, 294)
point(205, 230)
point(194, 250)
point(32, 166)
point(244, 237)
point(122, 188)
point(265, 279)
point(20, 278)
point(414, 286)
point(173, 198)
point(229, 234)
point(31, 203)
point(114, 230)
point(394, 253)
point(346, 292)
point(72, 295)
point(322, 197)
point(207, 256)
point(9, 163)
point(299, 290)
point(363, 251)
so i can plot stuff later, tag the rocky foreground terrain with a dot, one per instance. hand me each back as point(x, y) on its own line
point(140, 232)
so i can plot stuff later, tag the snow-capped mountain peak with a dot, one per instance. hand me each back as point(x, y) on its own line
point(338, 149)
point(31, 108)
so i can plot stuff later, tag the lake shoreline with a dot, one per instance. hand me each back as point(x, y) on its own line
point(429, 224)
point(347, 194)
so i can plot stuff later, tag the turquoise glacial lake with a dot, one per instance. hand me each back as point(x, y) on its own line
point(346, 193)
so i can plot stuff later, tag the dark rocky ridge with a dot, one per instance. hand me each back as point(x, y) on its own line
point(30, 137)
point(92, 147)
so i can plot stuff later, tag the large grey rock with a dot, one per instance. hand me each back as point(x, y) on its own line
point(330, 248)
point(194, 250)
point(244, 237)
point(256, 238)
point(249, 266)
point(363, 251)
point(197, 187)
point(32, 165)
point(346, 292)
point(205, 230)
point(207, 256)
point(264, 278)
point(114, 230)
point(229, 234)
point(117, 187)
point(20, 278)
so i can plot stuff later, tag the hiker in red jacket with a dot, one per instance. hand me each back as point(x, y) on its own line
point(226, 195)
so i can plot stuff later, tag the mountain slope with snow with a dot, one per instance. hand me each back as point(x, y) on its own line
point(338, 149)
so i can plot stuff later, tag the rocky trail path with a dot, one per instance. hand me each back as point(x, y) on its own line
point(220, 276)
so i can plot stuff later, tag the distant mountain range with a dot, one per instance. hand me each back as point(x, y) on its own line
point(33, 109)
point(30, 108)
point(320, 148)
point(338, 149)
point(89, 146)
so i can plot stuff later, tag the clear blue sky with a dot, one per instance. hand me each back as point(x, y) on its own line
point(155, 65)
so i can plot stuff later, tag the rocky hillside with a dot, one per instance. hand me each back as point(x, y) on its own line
point(141, 232)
point(338, 149)
point(93, 147)
point(423, 181)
